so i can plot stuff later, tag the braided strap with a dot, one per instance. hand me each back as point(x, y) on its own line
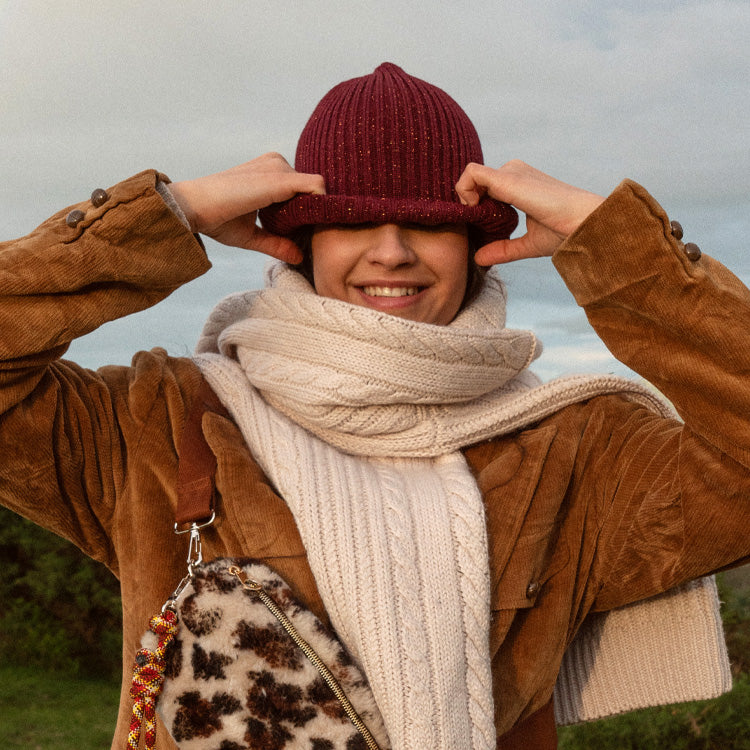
point(148, 678)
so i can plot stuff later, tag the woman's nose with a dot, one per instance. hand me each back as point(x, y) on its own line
point(390, 246)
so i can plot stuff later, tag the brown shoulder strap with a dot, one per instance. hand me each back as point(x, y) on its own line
point(196, 469)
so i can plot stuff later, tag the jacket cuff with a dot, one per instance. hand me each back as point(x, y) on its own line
point(140, 199)
point(628, 239)
point(168, 198)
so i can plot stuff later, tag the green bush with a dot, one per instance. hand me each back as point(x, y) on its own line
point(719, 724)
point(734, 591)
point(60, 610)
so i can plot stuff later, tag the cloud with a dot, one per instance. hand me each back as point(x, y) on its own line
point(588, 91)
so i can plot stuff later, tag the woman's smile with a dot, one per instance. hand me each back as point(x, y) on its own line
point(390, 291)
point(412, 271)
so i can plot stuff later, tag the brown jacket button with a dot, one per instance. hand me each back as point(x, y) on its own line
point(75, 217)
point(676, 229)
point(99, 197)
point(692, 251)
point(532, 589)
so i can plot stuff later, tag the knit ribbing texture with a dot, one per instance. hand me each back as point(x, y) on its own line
point(391, 148)
point(357, 418)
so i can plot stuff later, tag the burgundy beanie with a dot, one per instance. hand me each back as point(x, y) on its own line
point(391, 149)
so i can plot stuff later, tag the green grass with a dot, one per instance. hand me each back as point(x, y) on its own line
point(719, 724)
point(52, 711)
point(42, 711)
point(48, 711)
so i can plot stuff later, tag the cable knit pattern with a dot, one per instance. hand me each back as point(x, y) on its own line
point(382, 542)
point(373, 384)
point(473, 587)
point(357, 418)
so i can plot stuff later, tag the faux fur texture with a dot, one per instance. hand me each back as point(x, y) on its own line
point(237, 681)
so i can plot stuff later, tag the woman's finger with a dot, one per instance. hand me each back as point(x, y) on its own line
point(275, 246)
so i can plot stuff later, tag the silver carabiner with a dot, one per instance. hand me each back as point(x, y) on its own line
point(194, 557)
point(171, 603)
point(195, 549)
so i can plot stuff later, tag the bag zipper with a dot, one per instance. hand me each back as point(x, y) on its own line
point(257, 588)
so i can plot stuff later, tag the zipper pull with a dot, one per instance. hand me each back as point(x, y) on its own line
point(247, 583)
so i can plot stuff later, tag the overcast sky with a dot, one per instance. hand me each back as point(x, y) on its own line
point(591, 92)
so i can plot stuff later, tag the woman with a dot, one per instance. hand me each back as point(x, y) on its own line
point(388, 452)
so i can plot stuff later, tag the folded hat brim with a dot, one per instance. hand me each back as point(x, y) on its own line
point(493, 220)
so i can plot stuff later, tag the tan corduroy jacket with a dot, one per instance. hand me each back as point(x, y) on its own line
point(598, 505)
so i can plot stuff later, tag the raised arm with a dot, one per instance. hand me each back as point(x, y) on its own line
point(66, 433)
point(554, 209)
point(673, 500)
point(224, 205)
point(60, 437)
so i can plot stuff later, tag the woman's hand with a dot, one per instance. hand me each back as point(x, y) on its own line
point(553, 209)
point(224, 206)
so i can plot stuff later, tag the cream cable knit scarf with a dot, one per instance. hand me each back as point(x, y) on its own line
point(357, 417)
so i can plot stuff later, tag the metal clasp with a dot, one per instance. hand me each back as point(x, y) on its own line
point(195, 548)
point(194, 557)
point(195, 525)
point(246, 582)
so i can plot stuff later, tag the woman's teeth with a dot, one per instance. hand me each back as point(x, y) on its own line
point(390, 291)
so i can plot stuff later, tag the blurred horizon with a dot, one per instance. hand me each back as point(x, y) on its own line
point(590, 92)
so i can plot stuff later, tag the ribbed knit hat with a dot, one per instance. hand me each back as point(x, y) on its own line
point(391, 149)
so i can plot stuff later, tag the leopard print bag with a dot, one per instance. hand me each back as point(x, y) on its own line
point(235, 679)
point(234, 661)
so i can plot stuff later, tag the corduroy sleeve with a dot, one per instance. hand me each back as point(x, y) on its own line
point(674, 499)
point(60, 434)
